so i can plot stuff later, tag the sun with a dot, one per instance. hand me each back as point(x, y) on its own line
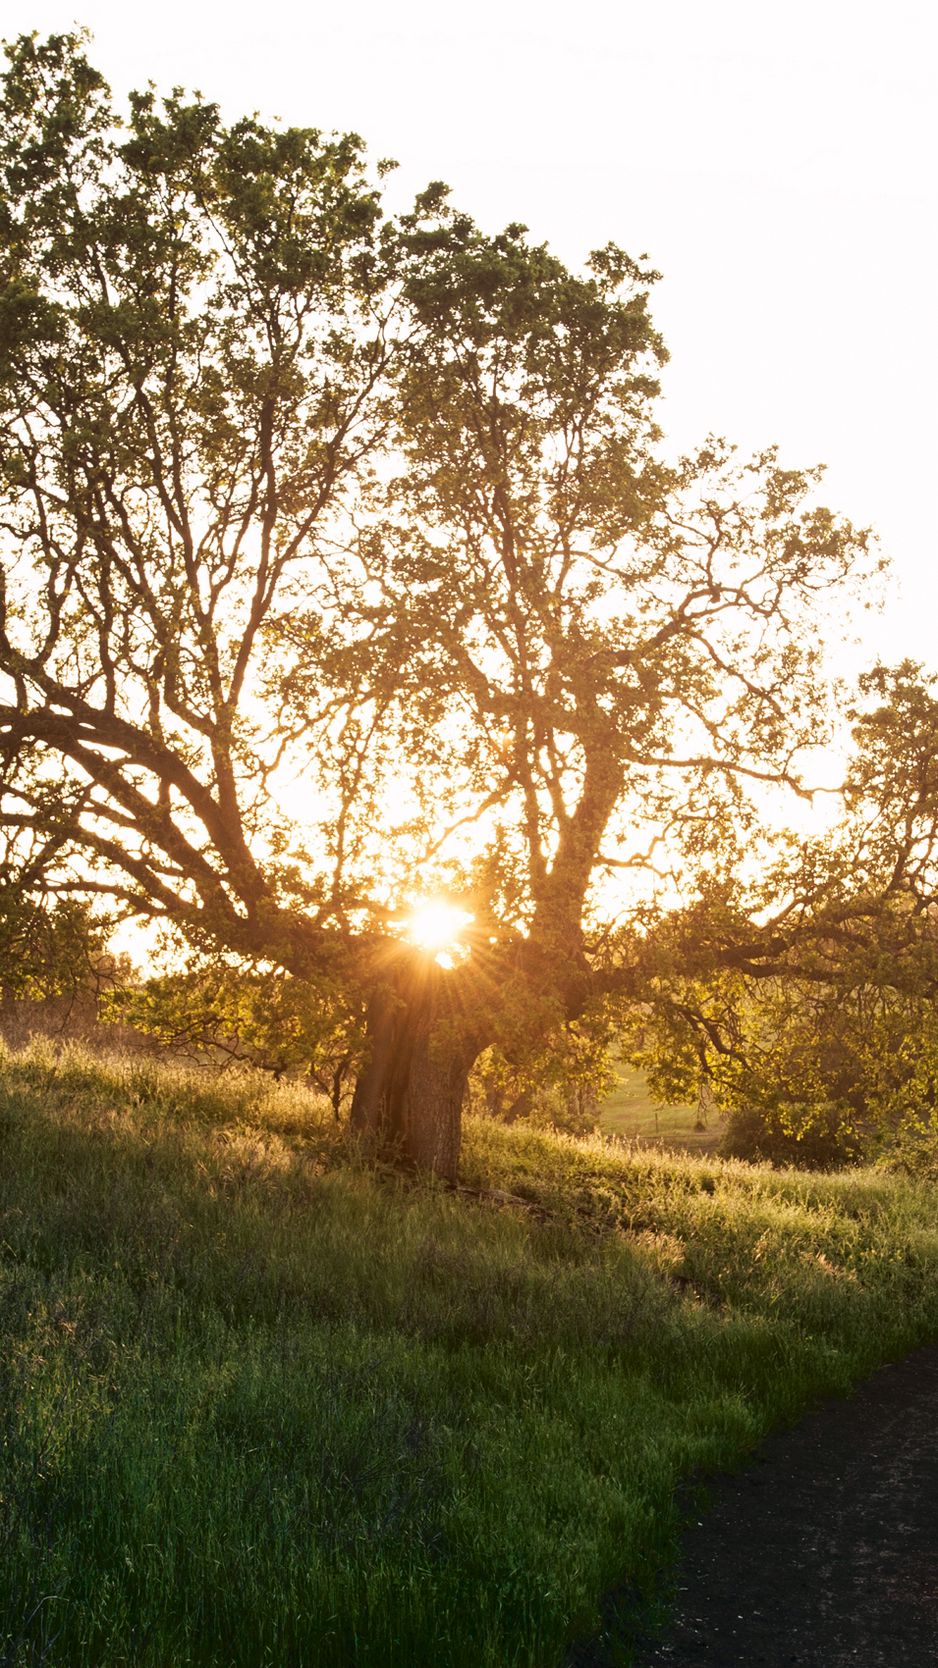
point(436, 925)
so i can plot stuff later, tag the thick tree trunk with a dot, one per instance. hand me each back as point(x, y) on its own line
point(426, 1117)
point(410, 1093)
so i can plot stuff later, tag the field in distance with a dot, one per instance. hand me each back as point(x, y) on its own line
point(630, 1111)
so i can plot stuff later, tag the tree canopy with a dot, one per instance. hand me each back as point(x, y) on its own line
point(342, 564)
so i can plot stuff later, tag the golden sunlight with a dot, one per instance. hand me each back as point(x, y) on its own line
point(438, 926)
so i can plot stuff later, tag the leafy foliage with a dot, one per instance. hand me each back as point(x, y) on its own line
point(833, 1055)
point(341, 561)
point(53, 949)
point(257, 1016)
point(560, 1083)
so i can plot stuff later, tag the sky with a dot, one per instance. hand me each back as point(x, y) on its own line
point(776, 162)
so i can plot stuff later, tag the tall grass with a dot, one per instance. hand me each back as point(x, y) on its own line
point(263, 1402)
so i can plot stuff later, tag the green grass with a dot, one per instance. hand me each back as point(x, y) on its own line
point(263, 1403)
point(631, 1112)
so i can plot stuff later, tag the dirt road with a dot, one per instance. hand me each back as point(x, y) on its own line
point(824, 1552)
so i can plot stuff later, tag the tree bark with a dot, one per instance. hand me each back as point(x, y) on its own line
point(409, 1095)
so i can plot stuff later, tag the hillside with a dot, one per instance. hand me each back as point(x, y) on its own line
point(264, 1402)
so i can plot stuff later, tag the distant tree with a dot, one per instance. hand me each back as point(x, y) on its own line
point(52, 948)
point(51, 944)
point(259, 1016)
point(560, 1080)
point(340, 563)
point(826, 1050)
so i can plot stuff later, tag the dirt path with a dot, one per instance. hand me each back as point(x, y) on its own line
point(824, 1552)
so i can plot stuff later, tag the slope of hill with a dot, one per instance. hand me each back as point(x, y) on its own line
point(263, 1401)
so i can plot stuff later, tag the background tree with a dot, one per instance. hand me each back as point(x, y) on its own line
point(340, 563)
point(52, 944)
point(561, 1079)
point(53, 948)
point(257, 1015)
point(819, 1037)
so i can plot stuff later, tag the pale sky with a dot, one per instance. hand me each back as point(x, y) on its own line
point(777, 162)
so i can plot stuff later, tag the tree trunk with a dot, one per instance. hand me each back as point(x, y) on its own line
point(410, 1092)
point(426, 1117)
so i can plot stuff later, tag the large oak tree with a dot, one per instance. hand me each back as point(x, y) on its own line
point(340, 561)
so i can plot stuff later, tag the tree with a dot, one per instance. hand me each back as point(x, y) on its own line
point(53, 948)
point(559, 1080)
point(341, 564)
point(50, 945)
point(823, 1046)
point(261, 1016)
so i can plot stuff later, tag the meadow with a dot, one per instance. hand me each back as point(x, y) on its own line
point(631, 1111)
point(266, 1401)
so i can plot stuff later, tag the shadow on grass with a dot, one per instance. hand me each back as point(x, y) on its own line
point(265, 1403)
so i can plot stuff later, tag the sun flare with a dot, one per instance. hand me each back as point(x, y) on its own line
point(437, 926)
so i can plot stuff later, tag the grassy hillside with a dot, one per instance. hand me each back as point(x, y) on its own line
point(261, 1403)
